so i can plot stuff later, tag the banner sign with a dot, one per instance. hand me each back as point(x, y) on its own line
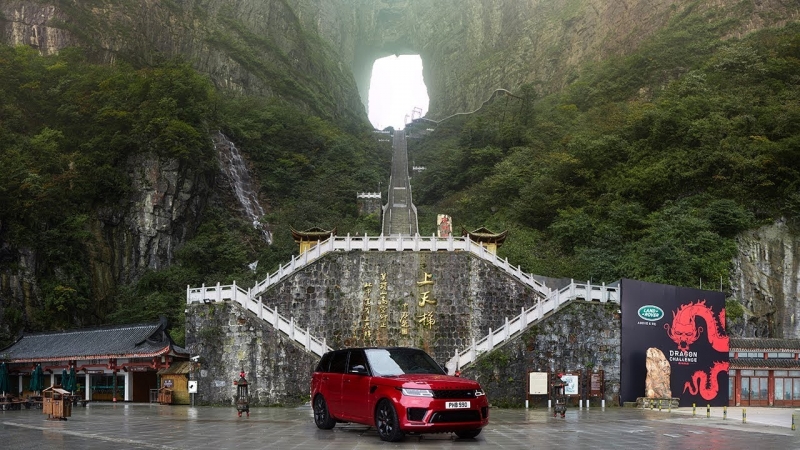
point(596, 384)
point(688, 326)
point(537, 383)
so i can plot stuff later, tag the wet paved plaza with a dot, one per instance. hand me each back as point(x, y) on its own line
point(146, 426)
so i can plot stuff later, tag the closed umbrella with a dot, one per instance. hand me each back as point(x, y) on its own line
point(73, 380)
point(36, 379)
point(64, 379)
point(5, 385)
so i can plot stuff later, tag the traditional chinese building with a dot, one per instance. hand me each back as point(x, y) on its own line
point(487, 238)
point(764, 372)
point(312, 236)
point(111, 363)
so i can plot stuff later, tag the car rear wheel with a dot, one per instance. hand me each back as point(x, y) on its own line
point(468, 434)
point(386, 422)
point(322, 417)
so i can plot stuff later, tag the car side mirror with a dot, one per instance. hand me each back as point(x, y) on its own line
point(359, 369)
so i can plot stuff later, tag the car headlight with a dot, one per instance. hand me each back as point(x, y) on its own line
point(417, 392)
point(479, 393)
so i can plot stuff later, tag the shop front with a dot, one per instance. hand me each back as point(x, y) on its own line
point(764, 372)
point(118, 363)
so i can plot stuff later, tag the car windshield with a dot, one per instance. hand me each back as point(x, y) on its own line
point(399, 361)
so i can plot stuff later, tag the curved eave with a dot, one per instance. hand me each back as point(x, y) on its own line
point(166, 350)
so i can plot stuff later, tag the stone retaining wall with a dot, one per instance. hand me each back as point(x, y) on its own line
point(438, 301)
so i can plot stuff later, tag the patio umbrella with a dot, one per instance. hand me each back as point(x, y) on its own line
point(73, 380)
point(36, 379)
point(64, 379)
point(5, 385)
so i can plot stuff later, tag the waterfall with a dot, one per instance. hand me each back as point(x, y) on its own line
point(234, 167)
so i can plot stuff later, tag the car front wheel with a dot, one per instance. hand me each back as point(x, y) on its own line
point(468, 434)
point(322, 417)
point(386, 422)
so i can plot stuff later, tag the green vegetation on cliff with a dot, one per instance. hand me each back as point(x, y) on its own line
point(645, 167)
point(72, 131)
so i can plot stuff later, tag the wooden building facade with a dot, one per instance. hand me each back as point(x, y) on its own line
point(115, 363)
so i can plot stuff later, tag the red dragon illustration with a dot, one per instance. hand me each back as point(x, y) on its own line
point(706, 385)
point(685, 332)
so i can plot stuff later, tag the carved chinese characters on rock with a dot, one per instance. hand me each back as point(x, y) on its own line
point(366, 310)
point(383, 302)
point(426, 317)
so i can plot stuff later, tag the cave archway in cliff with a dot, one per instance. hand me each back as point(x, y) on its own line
point(397, 91)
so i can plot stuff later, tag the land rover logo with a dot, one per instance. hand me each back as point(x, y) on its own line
point(651, 313)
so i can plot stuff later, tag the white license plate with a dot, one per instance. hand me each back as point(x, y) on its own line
point(457, 405)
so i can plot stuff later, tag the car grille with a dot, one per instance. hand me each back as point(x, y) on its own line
point(454, 393)
point(455, 416)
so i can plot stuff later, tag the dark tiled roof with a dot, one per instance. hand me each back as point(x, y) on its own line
point(315, 233)
point(760, 363)
point(143, 340)
point(766, 344)
point(483, 234)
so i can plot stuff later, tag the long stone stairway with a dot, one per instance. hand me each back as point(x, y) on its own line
point(399, 213)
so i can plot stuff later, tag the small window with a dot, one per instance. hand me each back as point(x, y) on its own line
point(747, 373)
point(732, 372)
point(772, 355)
point(762, 373)
point(781, 373)
point(785, 355)
point(324, 363)
point(794, 373)
point(339, 362)
point(357, 362)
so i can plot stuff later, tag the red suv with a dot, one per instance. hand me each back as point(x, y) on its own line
point(396, 390)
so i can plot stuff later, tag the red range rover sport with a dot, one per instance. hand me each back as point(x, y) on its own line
point(396, 390)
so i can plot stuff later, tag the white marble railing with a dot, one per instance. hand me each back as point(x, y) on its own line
point(529, 317)
point(214, 294)
point(248, 298)
point(378, 243)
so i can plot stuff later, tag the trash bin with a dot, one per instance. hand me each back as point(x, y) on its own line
point(165, 396)
point(56, 403)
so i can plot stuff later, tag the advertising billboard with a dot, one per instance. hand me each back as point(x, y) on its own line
point(688, 326)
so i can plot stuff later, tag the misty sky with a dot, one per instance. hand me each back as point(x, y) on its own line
point(395, 89)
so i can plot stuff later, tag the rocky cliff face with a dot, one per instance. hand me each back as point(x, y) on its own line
point(256, 47)
point(142, 234)
point(471, 48)
point(292, 48)
point(766, 281)
point(319, 55)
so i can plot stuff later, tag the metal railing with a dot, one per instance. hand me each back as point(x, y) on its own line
point(531, 316)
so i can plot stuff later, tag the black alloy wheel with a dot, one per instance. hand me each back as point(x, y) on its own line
point(386, 422)
point(322, 417)
point(469, 434)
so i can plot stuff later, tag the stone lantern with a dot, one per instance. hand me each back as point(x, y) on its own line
point(242, 396)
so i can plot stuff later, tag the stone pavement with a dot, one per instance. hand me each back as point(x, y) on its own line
point(151, 426)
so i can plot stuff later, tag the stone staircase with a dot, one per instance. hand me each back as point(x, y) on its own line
point(400, 234)
point(399, 213)
point(530, 317)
